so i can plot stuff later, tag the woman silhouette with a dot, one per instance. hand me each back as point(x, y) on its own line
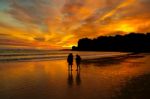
point(78, 61)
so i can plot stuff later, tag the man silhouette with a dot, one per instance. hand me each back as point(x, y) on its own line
point(70, 61)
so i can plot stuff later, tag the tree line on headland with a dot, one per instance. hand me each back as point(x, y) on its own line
point(133, 42)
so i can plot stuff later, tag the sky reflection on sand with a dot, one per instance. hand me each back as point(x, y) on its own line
point(51, 79)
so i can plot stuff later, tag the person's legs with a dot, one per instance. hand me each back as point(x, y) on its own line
point(77, 68)
point(71, 67)
point(68, 66)
point(79, 64)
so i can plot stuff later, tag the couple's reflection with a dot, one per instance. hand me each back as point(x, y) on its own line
point(78, 79)
point(71, 80)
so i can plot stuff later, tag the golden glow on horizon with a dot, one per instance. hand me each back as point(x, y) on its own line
point(68, 46)
point(125, 28)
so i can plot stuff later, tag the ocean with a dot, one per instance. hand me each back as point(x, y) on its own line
point(39, 55)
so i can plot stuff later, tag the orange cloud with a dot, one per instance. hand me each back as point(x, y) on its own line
point(61, 23)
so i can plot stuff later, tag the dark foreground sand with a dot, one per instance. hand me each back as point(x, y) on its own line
point(121, 77)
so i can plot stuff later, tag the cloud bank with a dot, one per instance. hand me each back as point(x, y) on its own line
point(60, 23)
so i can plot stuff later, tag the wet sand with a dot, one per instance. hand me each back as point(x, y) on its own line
point(122, 77)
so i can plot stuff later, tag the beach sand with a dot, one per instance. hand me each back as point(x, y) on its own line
point(121, 77)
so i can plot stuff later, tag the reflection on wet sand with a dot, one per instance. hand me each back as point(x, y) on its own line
point(71, 79)
point(78, 78)
point(136, 88)
point(50, 79)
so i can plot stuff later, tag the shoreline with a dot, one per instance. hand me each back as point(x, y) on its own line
point(86, 60)
point(113, 59)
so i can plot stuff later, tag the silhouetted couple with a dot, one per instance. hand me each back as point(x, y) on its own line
point(70, 61)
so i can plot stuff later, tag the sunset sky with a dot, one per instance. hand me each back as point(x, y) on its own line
point(54, 24)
